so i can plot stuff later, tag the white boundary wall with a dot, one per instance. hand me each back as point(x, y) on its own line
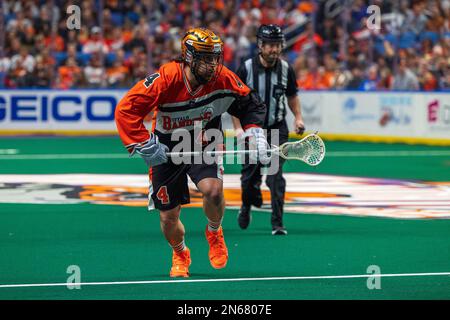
point(390, 114)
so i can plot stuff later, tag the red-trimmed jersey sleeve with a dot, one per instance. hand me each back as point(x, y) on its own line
point(130, 112)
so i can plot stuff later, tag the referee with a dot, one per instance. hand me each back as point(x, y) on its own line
point(275, 81)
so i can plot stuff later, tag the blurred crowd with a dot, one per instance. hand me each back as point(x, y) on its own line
point(331, 44)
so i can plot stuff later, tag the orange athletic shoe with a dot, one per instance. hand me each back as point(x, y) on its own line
point(180, 263)
point(218, 252)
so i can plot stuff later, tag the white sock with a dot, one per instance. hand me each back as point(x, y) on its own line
point(214, 226)
point(179, 247)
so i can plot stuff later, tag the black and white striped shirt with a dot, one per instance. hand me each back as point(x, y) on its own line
point(273, 85)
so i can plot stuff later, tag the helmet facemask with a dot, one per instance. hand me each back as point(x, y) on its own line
point(206, 67)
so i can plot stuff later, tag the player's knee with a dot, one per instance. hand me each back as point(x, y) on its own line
point(214, 195)
point(169, 221)
point(169, 218)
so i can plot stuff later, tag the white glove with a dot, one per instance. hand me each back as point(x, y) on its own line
point(258, 140)
point(153, 152)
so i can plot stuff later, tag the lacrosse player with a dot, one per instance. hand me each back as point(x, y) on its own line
point(196, 88)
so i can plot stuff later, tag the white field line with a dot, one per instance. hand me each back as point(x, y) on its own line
point(72, 284)
point(75, 156)
point(9, 151)
point(424, 153)
point(368, 154)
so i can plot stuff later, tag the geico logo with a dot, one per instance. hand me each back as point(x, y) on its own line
point(57, 108)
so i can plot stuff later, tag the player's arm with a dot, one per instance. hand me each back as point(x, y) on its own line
point(237, 126)
point(130, 114)
point(242, 74)
point(251, 111)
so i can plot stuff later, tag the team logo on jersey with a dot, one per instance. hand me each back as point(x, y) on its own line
point(171, 123)
point(206, 115)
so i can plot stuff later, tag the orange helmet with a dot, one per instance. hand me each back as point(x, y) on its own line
point(198, 42)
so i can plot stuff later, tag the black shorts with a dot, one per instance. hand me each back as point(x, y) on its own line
point(169, 183)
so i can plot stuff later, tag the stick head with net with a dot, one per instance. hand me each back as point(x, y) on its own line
point(310, 150)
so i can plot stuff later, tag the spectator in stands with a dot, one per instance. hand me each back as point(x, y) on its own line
point(442, 72)
point(358, 12)
point(427, 49)
point(386, 79)
point(426, 78)
point(46, 57)
point(42, 20)
point(404, 78)
point(341, 77)
point(69, 75)
point(20, 23)
point(356, 80)
point(309, 40)
point(370, 83)
point(430, 82)
point(300, 63)
point(54, 41)
point(444, 82)
point(117, 75)
point(94, 73)
point(72, 40)
point(107, 23)
point(5, 64)
point(329, 71)
point(88, 14)
point(139, 70)
point(133, 60)
point(115, 41)
point(314, 78)
point(138, 40)
point(22, 67)
point(413, 29)
point(328, 32)
point(42, 75)
point(415, 19)
point(82, 36)
point(72, 53)
point(95, 42)
point(435, 22)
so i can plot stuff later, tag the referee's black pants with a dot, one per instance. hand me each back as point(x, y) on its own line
point(251, 179)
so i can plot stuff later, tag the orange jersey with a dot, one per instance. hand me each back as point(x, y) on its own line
point(175, 105)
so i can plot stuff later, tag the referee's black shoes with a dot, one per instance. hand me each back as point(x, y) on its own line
point(244, 217)
point(279, 231)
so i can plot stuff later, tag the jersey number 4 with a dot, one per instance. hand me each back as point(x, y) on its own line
point(162, 195)
point(149, 80)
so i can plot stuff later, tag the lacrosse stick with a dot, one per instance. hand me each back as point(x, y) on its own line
point(310, 150)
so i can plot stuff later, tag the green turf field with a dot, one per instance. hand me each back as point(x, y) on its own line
point(117, 247)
